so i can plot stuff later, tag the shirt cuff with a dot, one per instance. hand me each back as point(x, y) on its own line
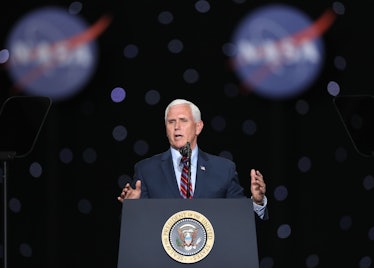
point(260, 209)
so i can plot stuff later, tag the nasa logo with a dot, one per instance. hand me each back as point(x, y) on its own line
point(52, 53)
point(278, 50)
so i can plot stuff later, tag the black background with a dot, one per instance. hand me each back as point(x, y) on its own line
point(60, 235)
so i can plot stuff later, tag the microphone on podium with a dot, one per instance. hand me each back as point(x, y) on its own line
point(186, 150)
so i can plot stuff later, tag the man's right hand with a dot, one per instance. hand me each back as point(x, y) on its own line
point(130, 193)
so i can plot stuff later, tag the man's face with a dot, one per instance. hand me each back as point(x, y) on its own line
point(181, 127)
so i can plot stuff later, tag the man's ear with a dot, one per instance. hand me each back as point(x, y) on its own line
point(199, 127)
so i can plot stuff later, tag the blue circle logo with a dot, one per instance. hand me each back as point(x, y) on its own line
point(278, 50)
point(52, 53)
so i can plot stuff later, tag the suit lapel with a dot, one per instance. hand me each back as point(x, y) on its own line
point(201, 173)
point(168, 171)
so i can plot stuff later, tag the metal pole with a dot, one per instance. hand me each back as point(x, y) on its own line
point(5, 212)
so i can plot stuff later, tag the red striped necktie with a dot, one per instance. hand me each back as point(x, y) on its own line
point(185, 185)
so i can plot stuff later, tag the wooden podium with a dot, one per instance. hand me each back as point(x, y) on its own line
point(172, 233)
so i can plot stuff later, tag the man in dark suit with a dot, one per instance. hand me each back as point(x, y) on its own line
point(210, 176)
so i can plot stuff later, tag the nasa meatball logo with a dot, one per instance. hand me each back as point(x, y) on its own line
point(53, 53)
point(187, 236)
point(278, 50)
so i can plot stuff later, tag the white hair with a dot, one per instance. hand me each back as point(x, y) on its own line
point(196, 114)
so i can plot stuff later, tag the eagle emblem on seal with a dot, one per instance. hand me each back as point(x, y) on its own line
point(188, 236)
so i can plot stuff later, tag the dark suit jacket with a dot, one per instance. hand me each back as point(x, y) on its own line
point(216, 177)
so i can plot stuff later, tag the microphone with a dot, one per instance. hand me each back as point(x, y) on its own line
point(186, 152)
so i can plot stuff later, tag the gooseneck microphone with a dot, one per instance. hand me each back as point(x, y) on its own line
point(186, 152)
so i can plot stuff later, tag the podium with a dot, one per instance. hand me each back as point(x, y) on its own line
point(188, 232)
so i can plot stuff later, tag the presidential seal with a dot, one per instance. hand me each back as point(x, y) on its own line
point(187, 236)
